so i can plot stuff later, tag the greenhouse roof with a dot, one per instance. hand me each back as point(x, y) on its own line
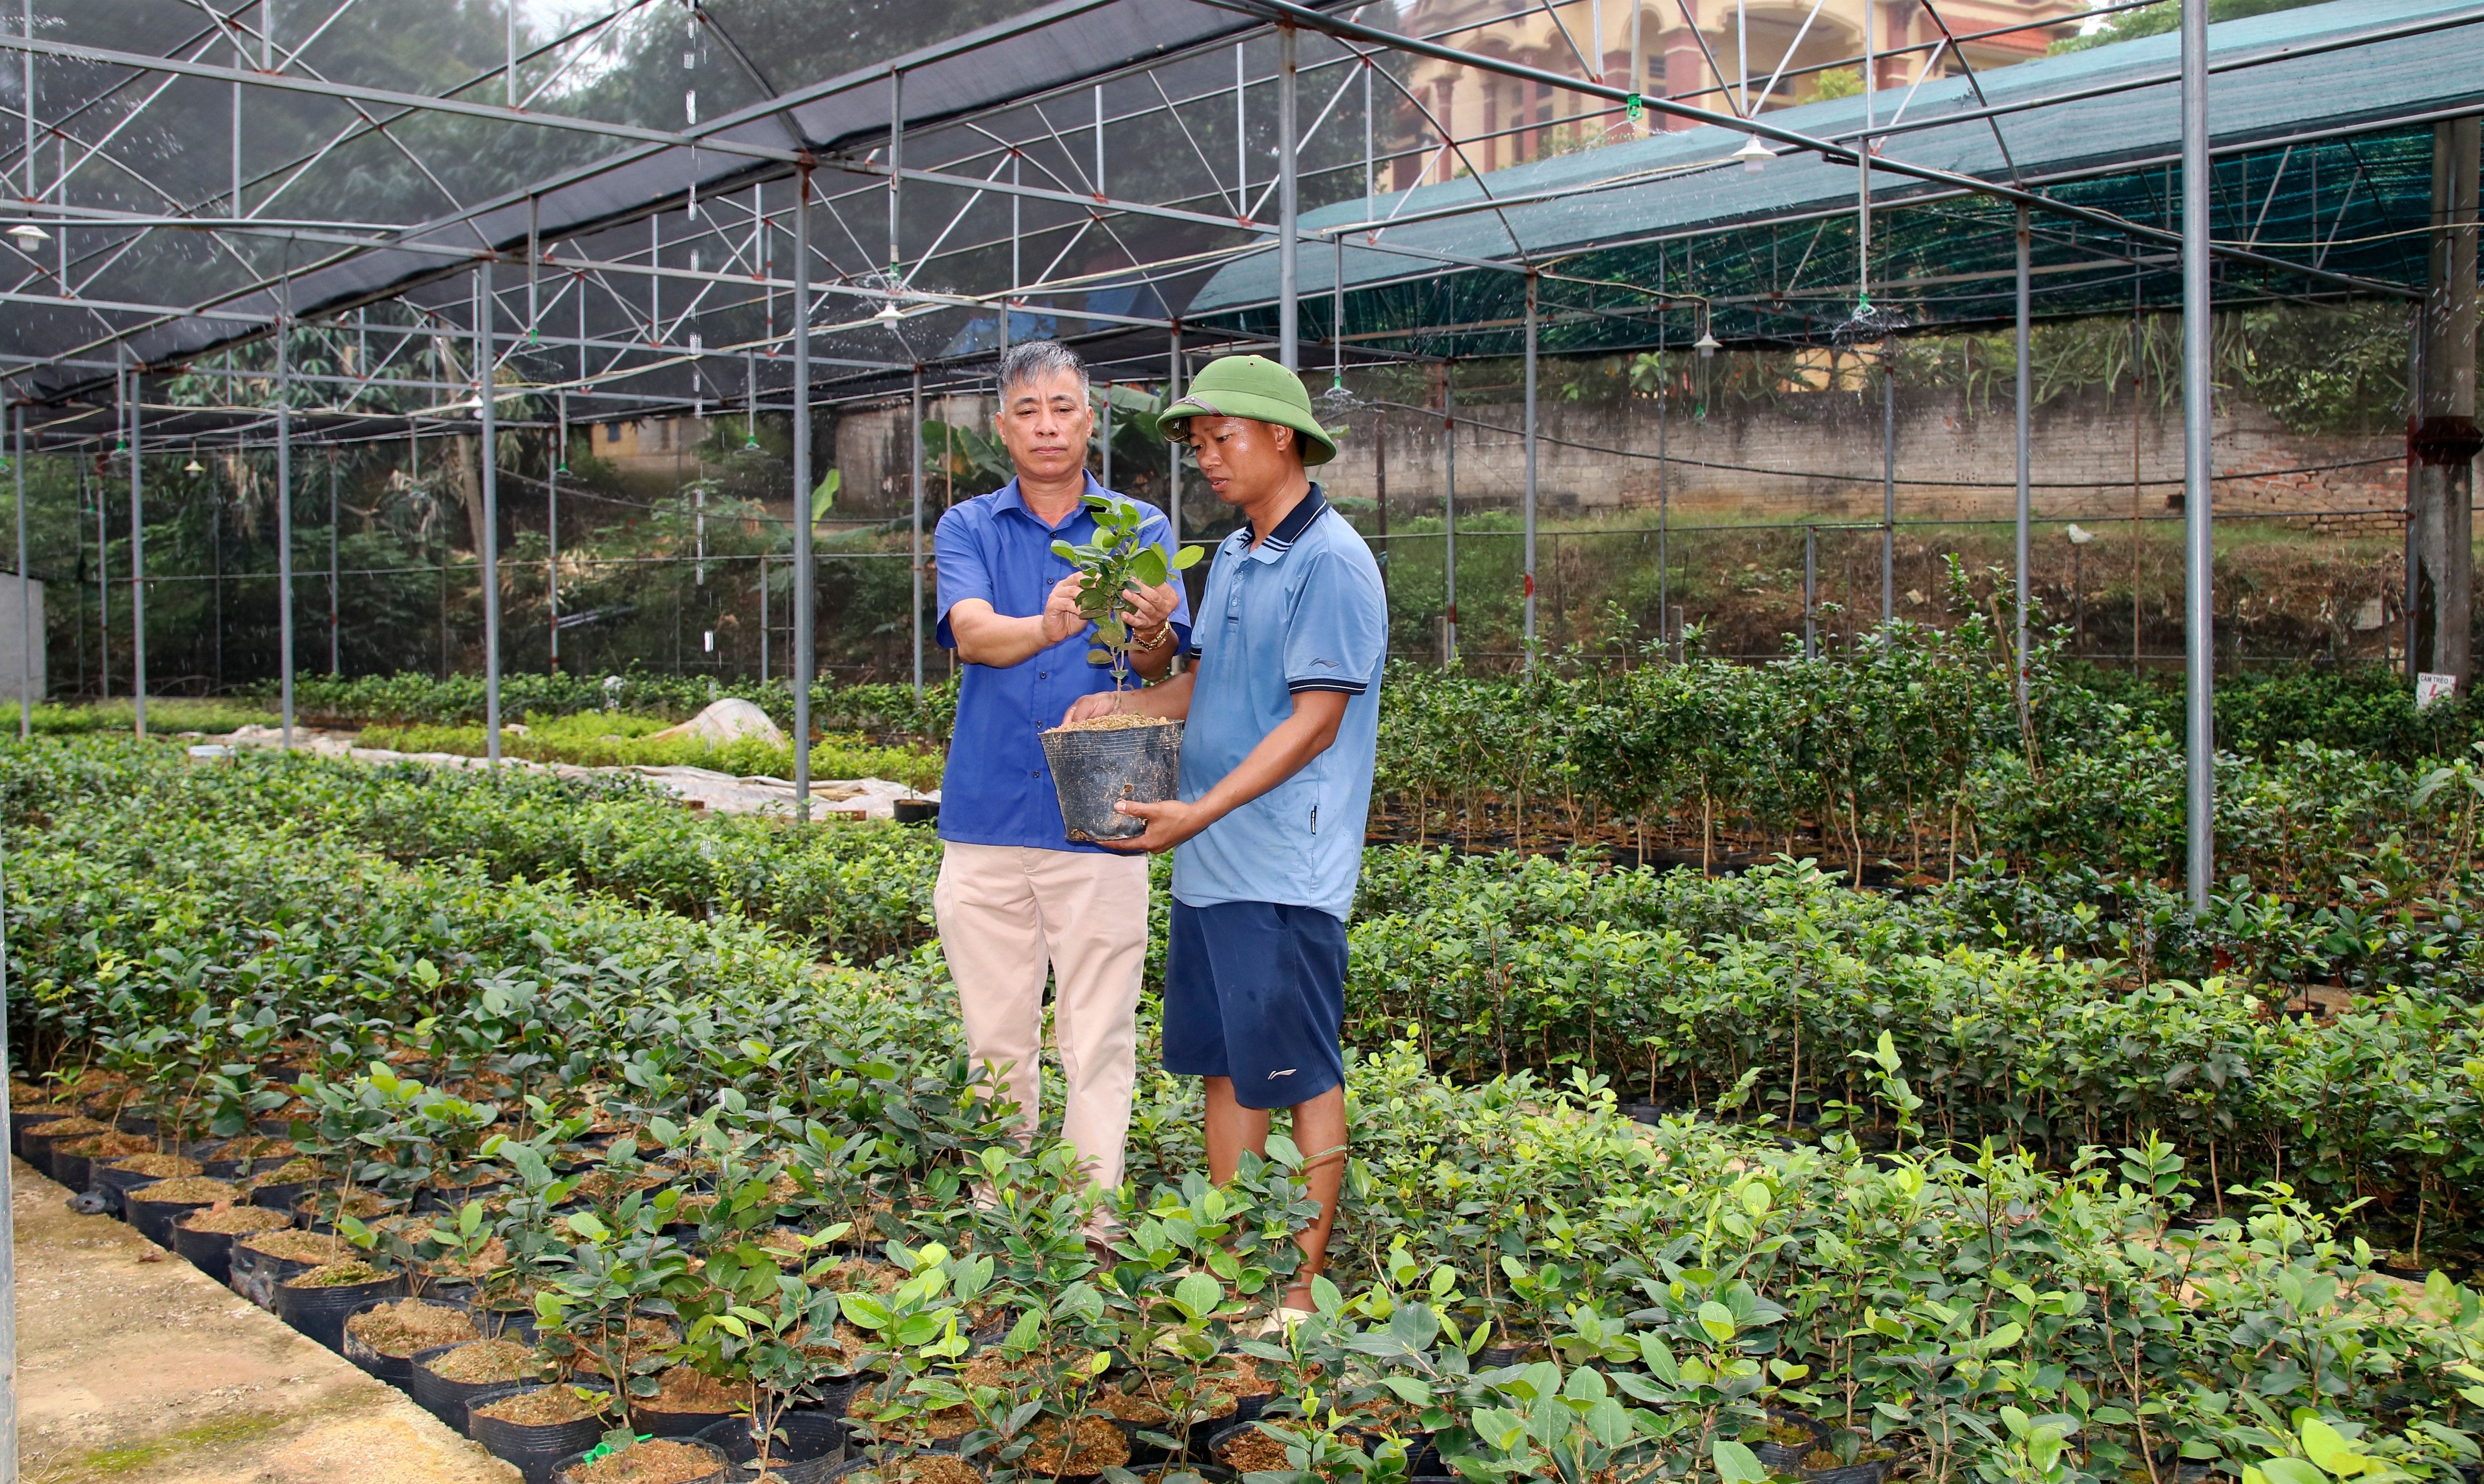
point(2323, 162)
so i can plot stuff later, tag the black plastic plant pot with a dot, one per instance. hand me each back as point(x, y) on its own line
point(917, 811)
point(23, 1122)
point(891, 1465)
point(155, 1219)
point(1787, 1457)
point(114, 1186)
point(35, 1141)
point(809, 1445)
point(442, 1397)
point(397, 1370)
point(279, 1197)
point(257, 1274)
point(1091, 771)
point(533, 1450)
point(319, 1310)
point(210, 1251)
point(1849, 1473)
point(561, 1471)
point(673, 1424)
point(70, 1170)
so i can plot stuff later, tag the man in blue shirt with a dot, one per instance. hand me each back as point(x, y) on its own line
point(1282, 712)
point(1015, 896)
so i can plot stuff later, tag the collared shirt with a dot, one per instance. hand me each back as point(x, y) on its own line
point(1303, 610)
point(997, 789)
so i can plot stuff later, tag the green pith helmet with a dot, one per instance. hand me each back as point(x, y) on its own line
point(1251, 387)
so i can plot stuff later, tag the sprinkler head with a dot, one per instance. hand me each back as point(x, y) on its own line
point(194, 467)
point(29, 237)
point(1706, 346)
point(1754, 156)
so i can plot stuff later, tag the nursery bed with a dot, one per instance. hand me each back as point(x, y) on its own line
point(148, 1371)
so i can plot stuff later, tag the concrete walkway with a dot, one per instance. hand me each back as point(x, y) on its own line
point(134, 1367)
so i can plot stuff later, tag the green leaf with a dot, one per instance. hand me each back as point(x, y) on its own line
point(1147, 568)
point(1197, 1295)
point(1064, 551)
point(2329, 1448)
point(1100, 657)
point(1188, 557)
point(1736, 1464)
point(2292, 1470)
point(1717, 1320)
point(824, 495)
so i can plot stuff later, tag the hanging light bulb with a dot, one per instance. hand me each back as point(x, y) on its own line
point(1754, 156)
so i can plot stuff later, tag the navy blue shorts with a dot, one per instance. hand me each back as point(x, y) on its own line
point(1256, 991)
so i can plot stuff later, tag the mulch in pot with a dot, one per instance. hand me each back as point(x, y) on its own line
point(115, 1179)
point(249, 1155)
point(443, 1380)
point(1246, 1449)
point(911, 1469)
point(533, 1428)
point(687, 1402)
point(73, 1160)
point(1088, 1449)
point(205, 1236)
point(153, 1208)
point(261, 1262)
point(656, 1461)
point(318, 1301)
point(383, 1335)
point(35, 1142)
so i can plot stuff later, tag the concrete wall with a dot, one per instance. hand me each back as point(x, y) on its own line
point(1815, 456)
point(11, 657)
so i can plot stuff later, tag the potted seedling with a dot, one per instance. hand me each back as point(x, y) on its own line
point(1104, 759)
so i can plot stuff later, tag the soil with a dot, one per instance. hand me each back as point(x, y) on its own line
point(1818, 1459)
point(661, 1461)
point(236, 1220)
point(193, 1188)
point(286, 1174)
point(1093, 1446)
point(1130, 1407)
point(160, 1166)
point(684, 1390)
point(1240, 1376)
point(1119, 722)
point(603, 1185)
point(861, 1275)
point(546, 1408)
point(487, 1360)
point(494, 1257)
point(338, 1275)
point(361, 1206)
point(75, 1127)
point(408, 1325)
point(257, 1147)
point(922, 1468)
point(107, 1146)
point(311, 1247)
point(1253, 1452)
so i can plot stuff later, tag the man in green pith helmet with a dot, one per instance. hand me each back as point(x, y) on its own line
point(1283, 711)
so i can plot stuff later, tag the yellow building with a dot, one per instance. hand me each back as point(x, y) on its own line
point(1494, 122)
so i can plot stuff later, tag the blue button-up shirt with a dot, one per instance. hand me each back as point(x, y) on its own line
point(997, 789)
point(1302, 611)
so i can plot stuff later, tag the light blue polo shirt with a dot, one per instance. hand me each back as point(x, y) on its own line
point(1303, 610)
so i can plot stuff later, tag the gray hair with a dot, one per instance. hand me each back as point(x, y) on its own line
point(1038, 360)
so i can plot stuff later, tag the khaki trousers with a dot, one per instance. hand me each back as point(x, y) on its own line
point(1007, 913)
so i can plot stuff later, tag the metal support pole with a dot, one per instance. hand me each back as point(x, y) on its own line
point(803, 657)
point(2443, 441)
point(1449, 513)
point(917, 455)
point(284, 510)
point(25, 704)
point(1663, 501)
point(1811, 592)
point(336, 647)
point(1288, 234)
point(1173, 458)
point(136, 567)
point(490, 457)
point(2198, 636)
point(2026, 395)
point(1889, 485)
point(896, 172)
point(1529, 512)
point(1104, 440)
point(8, 1237)
point(552, 540)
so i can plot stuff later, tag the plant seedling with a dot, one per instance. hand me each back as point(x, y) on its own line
point(1114, 563)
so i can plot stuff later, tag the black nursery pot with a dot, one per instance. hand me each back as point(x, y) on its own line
point(1091, 771)
point(115, 1185)
point(857, 1468)
point(210, 1251)
point(812, 1447)
point(532, 1449)
point(320, 1312)
point(397, 1370)
point(22, 1123)
point(155, 1219)
point(442, 1397)
point(560, 1471)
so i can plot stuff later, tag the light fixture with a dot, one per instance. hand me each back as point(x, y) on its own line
point(1706, 344)
point(194, 467)
point(29, 235)
point(1754, 156)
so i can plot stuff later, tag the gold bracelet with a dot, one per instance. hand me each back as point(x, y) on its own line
point(1150, 645)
